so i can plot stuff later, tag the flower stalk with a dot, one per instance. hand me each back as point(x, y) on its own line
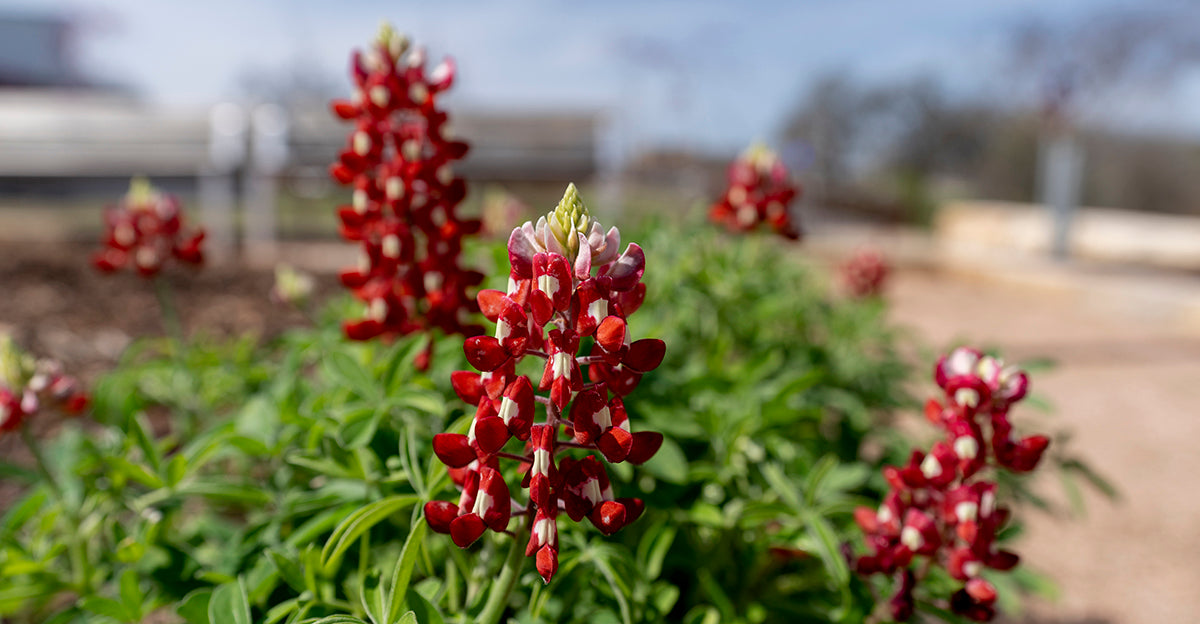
point(568, 285)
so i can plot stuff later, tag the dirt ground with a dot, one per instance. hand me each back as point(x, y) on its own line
point(1125, 385)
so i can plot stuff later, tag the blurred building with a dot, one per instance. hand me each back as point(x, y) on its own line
point(35, 51)
point(63, 135)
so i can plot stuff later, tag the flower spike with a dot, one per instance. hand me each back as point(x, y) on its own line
point(566, 283)
point(939, 509)
point(403, 214)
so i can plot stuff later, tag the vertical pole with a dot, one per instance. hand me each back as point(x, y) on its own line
point(269, 155)
point(227, 125)
point(1062, 176)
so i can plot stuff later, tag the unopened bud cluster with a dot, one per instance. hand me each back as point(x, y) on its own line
point(941, 508)
point(26, 385)
point(568, 286)
point(399, 163)
point(759, 192)
point(145, 230)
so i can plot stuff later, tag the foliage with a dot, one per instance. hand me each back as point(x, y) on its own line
point(232, 482)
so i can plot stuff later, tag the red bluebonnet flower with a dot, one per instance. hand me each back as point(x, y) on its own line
point(145, 230)
point(569, 284)
point(759, 192)
point(26, 385)
point(865, 274)
point(404, 210)
point(939, 508)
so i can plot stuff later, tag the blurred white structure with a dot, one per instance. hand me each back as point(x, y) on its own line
point(228, 124)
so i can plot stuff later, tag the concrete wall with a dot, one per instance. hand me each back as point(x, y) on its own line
point(1102, 234)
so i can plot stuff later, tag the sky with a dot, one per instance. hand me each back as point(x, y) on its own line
point(695, 74)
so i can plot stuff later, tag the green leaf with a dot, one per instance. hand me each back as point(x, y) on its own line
point(784, 488)
point(424, 610)
point(371, 596)
point(358, 432)
point(281, 610)
point(359, 522)
point(194, 606)
point(131, 594)
point(345, 371)
point(816, 478)
point(288, 569)
point(137, 472)
point(408, 618)
point(229, 604)
point(823, 534)
point(258, 420)
point(224, 491)
point(423, 401)
point(402, 573)
point(652, 549)
point(141, 434)
point(669, 463)
point(176, 469)
point(19, 514)
point(107, 607)
point(321, 466)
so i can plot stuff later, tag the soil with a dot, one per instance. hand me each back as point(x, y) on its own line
point(56, 305)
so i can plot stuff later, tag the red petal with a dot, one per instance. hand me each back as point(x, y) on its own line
point(467, 386)
point(520, 392)
point(547, 562)
point(627, 271)
point(633, 509)
point(981, 590)
point(490, 434)
point(362, 330)
point(610, 335)
point(615, 444)
point(645, 445)
point(609, 517)
point(645, 355)
point(453, 449)
point(542, 306)
point(341, 173)
point(630, 300)
point(464, 530)
point(1003, 560)
point(485, 353)
point(345, 109)
point(491, 303)
point(583, 412)
point(439, 515)
point(560, 391)
point(520, 254)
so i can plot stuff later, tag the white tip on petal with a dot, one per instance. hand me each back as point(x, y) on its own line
point(931, 467)
point(911, 538)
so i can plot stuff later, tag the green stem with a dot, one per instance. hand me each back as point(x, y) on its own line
point(497, 600)
point(166, 306)
point(190, 404)
point(81, 574)
point(364, 557)
point(40, 461)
